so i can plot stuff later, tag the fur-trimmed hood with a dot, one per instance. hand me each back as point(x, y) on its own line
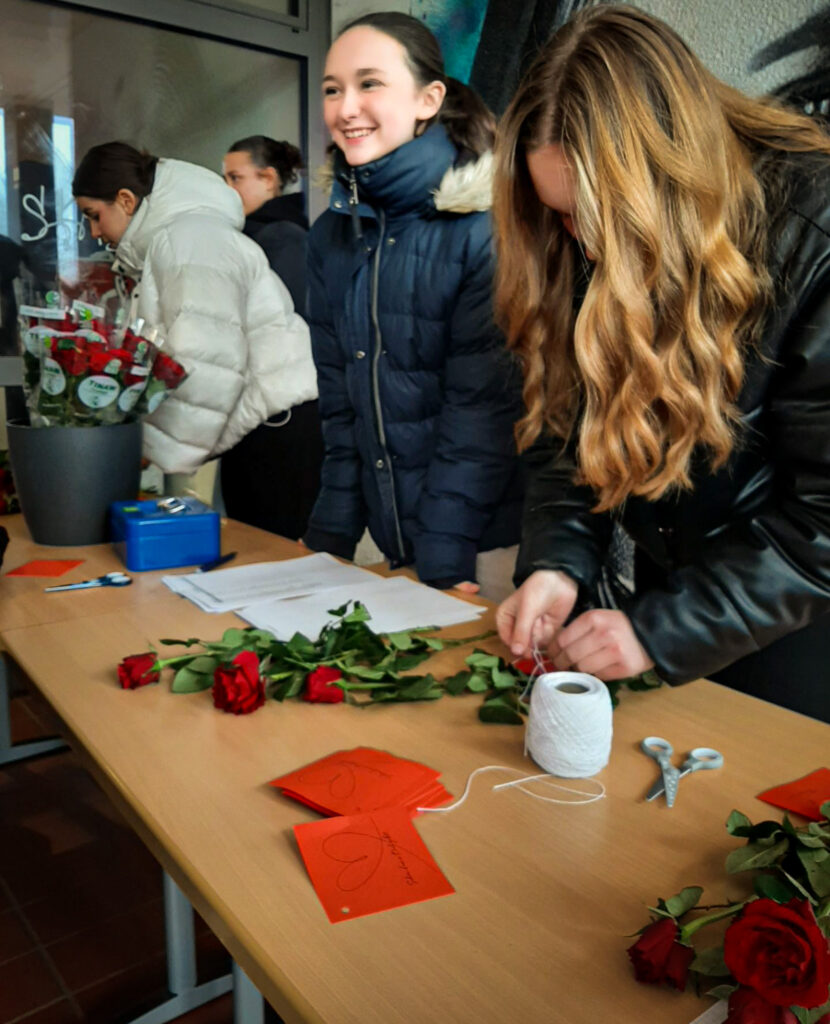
point(418, 176)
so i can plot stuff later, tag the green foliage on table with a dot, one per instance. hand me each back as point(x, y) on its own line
point(376, 667)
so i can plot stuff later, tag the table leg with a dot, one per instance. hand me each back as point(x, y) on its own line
point(248, 1005)
point(186, 995)
point(16, 751)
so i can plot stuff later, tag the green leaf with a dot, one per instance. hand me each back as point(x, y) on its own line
point(300, 646)
point(186, 681)
point(710, 962)
point(362, 672)
point(812, 842)
point(405, 662)
point(339, 612)
point(203, 663)
point(400, 641)
point(824, 810)
point(736, 821)
point(810, 1016)
point(755, 855)
point(290, 687)
point(774, 888)
point(457, 684)
point(503, 679)
point(817, 868)
point(796, 884)
point(482, 659)
point(418, 689)
point(234, 637)
point(683, 901)
point(434, 643)
point(359, 614)
point(478, 683)
point(721, 991)
point(181, 643)
point(497, 710)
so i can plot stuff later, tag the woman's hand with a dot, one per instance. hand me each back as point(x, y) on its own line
point(467, 588)
point(602, 643)
point(535, 612)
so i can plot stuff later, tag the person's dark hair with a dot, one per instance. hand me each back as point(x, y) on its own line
point(264, 152)
point(470, 124)
point(112, 166)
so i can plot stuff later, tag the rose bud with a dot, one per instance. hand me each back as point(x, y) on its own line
point(238, 687)
point(319, 688)
point(658, 956)
point(138, 670)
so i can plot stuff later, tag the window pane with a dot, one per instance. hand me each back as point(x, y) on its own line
point(72, 79)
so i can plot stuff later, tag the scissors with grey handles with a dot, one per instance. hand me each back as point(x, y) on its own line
point(111, 579)
point(699, 759)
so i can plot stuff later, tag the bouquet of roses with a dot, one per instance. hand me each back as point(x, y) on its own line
point(78, 371)
point(774, 964)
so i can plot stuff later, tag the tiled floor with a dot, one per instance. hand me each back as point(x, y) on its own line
point(81, 916)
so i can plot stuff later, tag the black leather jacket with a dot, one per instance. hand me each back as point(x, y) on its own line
point(744, 558)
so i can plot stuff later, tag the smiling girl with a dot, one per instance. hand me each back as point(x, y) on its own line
point(417, 393)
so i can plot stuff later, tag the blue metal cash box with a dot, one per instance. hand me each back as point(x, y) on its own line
point(164, 533)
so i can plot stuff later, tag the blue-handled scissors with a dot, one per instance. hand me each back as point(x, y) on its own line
point(699, 759)
point(111, 579)
point(661, 750)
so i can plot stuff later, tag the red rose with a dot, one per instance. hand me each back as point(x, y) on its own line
point(238, 688)
point(529, 666)
point(778, 950)
point(747, 1007)
point(137, 670)
point(73, 362)
point(318, 686)
point(98, 360)
point(168, 370)
point(658, 956)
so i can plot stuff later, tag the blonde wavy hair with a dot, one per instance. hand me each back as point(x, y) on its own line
point(671, 204)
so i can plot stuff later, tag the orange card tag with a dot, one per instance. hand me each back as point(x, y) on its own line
point(366, 863)
point(360, 780)
point(804, 796)
point(46, 567)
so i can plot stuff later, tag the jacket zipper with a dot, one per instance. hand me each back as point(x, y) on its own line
point(375, 362)
point(354, 203)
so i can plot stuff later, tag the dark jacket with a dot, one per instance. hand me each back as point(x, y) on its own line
point(743, 559)
point(280, 227)
point(417, 394)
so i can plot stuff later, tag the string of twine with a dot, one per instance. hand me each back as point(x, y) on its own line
point(588, 798)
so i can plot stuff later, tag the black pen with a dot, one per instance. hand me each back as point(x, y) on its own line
point(216, 562)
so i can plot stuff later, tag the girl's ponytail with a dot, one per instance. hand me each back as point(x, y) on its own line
point(469, 122)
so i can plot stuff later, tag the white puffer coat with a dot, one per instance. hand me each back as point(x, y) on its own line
point(224, 314)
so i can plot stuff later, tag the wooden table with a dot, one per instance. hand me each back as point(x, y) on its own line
point(545, 894)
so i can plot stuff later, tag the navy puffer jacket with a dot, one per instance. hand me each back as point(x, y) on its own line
point(418, 395)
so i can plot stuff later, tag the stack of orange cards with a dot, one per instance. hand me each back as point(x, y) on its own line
point(366, 856)
point(363, 779)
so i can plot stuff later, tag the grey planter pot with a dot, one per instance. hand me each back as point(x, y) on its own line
point(67, 477)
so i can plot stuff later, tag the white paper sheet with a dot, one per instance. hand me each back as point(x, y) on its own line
point(228, 589)
point(394, 604)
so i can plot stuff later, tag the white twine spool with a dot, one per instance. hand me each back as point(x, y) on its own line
point(569, 726)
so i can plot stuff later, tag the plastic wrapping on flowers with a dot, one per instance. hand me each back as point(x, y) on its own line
point(81, 371)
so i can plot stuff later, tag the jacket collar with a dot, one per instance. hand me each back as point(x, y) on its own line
point(414, 180)
point(289, 207)
point(179, 188)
